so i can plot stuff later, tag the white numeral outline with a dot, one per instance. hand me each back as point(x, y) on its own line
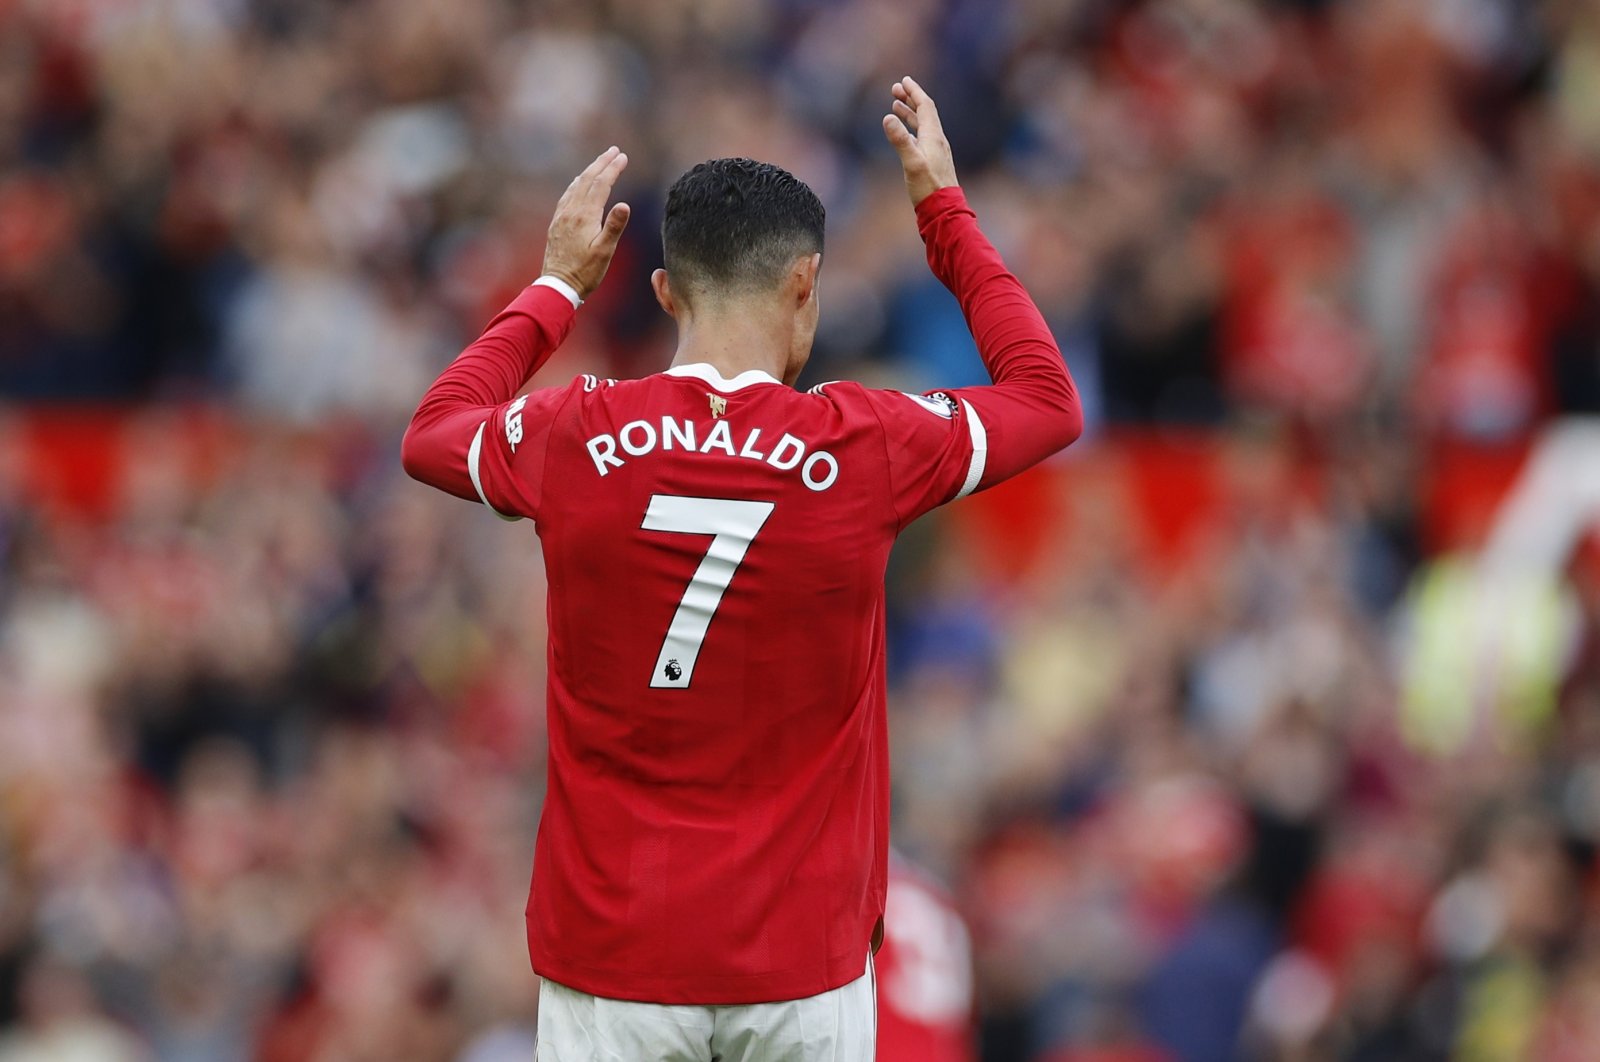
point(733, 525)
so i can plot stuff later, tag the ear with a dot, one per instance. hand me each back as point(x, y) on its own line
point(663, 289)
point(804, 277)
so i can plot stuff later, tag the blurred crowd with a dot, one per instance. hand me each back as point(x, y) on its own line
point(271, 735)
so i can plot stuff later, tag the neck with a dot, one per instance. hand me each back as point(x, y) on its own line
point(733, 341)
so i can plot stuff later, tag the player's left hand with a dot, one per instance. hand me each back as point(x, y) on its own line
point(914, 129)
point(583, 234)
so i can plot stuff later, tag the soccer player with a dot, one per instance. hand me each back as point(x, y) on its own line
point(710, 870)
point(924, 973)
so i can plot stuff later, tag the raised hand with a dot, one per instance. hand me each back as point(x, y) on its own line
point(918, 138)
point(583, 234)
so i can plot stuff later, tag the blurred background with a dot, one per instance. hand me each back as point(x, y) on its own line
point(1264, 724)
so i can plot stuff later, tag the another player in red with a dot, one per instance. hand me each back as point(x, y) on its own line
point(710, 871)
point(924, 971)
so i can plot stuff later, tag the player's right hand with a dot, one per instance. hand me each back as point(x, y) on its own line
point(583, 234)
point(912, 126)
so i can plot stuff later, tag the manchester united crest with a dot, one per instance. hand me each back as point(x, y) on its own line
point(719, 405)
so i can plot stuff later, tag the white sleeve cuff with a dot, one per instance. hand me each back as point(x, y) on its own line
point(562, 286)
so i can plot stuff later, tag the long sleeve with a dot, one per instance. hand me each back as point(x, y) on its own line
point(446, 445)
point(1032, 410)
point(946, 444)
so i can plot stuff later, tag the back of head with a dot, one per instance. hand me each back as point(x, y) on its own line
point(734, 226)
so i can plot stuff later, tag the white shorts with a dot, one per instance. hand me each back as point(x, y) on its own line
point(836, 1026)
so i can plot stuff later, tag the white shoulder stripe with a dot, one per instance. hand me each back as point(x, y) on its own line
point(980, 450)
point(474, 452)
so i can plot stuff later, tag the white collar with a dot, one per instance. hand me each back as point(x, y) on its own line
point(710, 375)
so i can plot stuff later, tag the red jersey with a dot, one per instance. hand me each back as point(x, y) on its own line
point(715, 826)
point(925, 1002)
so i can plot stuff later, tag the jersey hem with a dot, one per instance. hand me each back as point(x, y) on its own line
point(709, 990)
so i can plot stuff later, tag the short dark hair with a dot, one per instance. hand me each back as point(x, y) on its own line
point(734, 225)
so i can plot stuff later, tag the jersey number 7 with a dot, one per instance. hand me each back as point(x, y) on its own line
point(733, 525)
